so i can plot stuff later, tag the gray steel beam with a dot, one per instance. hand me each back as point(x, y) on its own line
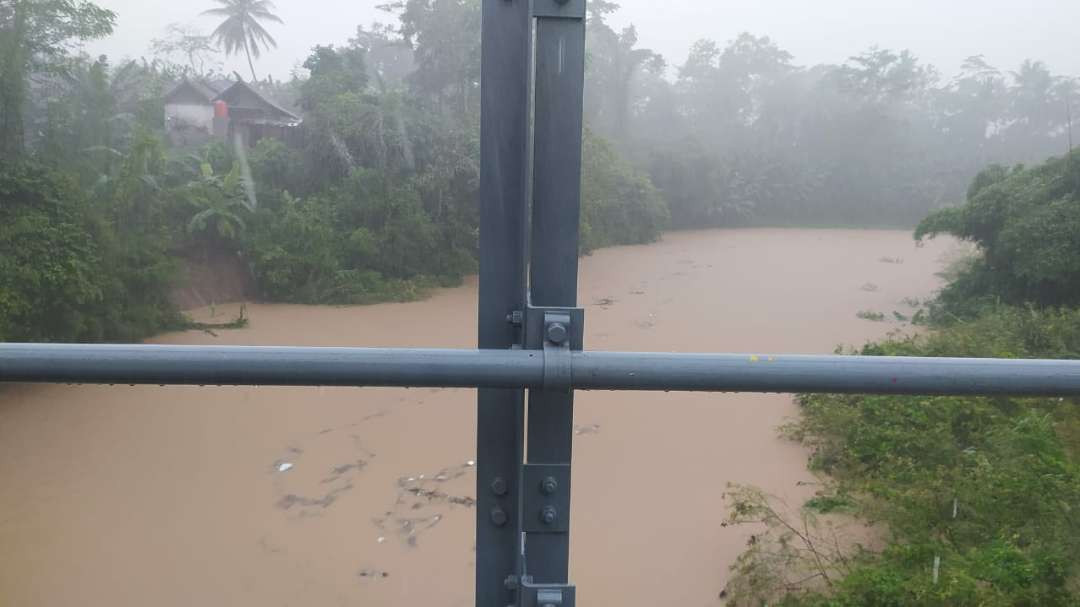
point(556, 211)
point(515, 369)
point(504, 137)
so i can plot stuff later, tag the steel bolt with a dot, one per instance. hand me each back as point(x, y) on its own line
point(516, 318)
point(557, 333)
point(549, 515)
point(498, 517)
point(549, 485)
point(498, 486)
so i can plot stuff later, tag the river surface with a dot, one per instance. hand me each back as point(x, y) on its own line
point(185, 496)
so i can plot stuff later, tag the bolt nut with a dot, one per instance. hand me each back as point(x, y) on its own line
point(498, 486)
point(549, 515)
point(549, 485)
point(516, 318)
point(557, 333)
point(498, 517)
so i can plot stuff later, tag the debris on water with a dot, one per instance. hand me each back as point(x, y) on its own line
point(380, 539)
point(284, 466)
point(591, 429)
point(372, 573)
point(423, 502)
point(309, 504)
point(869, 287)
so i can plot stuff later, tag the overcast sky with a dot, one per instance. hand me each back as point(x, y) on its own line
point(942, 32)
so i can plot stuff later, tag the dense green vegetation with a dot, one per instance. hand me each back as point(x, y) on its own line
point(375, 200)
point(1026, 223)
point(986, 487)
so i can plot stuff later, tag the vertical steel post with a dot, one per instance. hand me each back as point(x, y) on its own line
point(556, 209)
point(505, 62)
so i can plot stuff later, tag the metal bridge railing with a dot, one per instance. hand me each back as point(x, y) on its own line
point(530, 332)
point(527, 369)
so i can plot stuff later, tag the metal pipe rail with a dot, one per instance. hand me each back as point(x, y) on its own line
point(515, 369)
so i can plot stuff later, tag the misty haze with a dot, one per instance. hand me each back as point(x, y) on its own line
point(779, 177)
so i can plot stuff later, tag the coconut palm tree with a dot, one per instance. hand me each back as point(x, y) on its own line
point(242, 30)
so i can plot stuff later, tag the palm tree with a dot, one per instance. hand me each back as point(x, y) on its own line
point(242, 29)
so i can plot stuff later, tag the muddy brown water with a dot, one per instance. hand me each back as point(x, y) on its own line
point(181, 496)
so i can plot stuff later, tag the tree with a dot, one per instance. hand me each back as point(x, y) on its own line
point(445, 38)
point(242, 28)
point(614, 63)
point(332, 72)
point(198, 50)
point(36, 36)
point(220, 203)
point(389, 57)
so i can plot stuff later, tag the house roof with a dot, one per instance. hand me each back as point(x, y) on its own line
point(219, 85)
point(191, 91)
point(238, 94)
point(244, 96)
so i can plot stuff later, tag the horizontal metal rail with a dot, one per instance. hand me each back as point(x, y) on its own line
point(293, 366)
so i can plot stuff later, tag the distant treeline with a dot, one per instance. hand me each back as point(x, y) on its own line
point(741, 133)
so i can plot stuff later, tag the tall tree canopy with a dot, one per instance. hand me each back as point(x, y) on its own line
point(36, 36)
point(242, 28)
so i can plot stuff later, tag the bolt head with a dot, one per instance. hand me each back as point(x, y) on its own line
point(549, 515)
point(557, 333)
point(498, 486)
point(498, 517)
point(549, 485)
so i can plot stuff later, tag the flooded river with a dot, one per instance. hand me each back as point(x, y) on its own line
point(184, 496)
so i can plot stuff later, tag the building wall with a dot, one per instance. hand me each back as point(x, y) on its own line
point(189, 118)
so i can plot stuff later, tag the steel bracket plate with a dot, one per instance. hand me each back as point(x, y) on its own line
point(545, 494)
point(545, 595)
point(567, 9)
point(535, 326)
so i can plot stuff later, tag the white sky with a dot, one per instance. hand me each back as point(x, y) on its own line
point(942, 32)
